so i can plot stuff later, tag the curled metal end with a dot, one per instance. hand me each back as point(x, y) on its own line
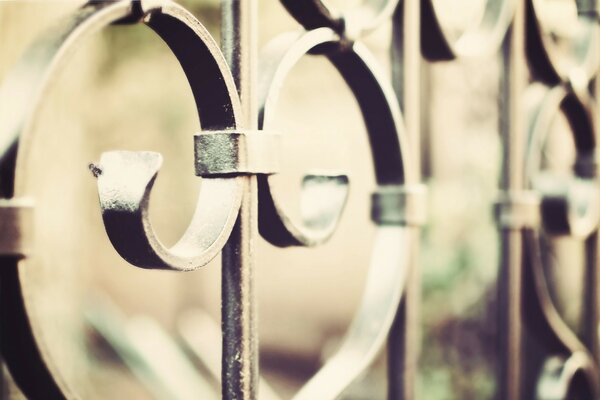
point(571, 378)
point(570, 206)
point(322, 202)
point(125, 180)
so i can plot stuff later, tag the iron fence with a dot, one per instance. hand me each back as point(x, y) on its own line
point(236, 89)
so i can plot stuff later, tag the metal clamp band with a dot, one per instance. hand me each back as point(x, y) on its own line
point(587, 8)
point(518, 210)
point(16, 226)
point(400, 205)
point(219, 153)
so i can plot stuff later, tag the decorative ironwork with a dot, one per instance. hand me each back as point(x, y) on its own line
point(236, 91)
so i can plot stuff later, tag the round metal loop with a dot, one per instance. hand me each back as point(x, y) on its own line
point(565, 379)
point(391, 253)
point(570, 204)
point(351, 25)
point(483, 38)
point(125, 205)
point(324, 195)
point(549, 63)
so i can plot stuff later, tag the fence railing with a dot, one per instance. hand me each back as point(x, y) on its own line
point(236, 89)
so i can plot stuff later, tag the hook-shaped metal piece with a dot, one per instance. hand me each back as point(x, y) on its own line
point(22, 96)
point(125, 181)
point(324, 194)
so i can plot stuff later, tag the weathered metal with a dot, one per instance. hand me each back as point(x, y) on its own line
point(236, 154)
point(23, 343)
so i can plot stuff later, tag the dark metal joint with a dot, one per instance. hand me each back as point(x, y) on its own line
point(399, 205)
point(16, 227)
point(588, 8)
point(139, 10)
point(227, 153)
point(587, 166)
point(518, 209)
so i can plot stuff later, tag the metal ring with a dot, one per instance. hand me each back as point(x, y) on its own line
point(583, 61)
point(324, 195)
point(569, 205)
point(484, 39)
point(391, 255)
point(354, 23)
point(23, 342)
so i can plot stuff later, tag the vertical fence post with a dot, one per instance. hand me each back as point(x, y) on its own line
point(591, 311)
point(240, 343)
point(404, 342)
point(512, 129)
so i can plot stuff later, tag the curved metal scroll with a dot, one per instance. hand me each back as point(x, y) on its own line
point(485, 38)
point(570, 205)
point(354, 23)
point(390, 260)
point(569, 367)
point(578, 370)
point(582, 62)
point(32, 77)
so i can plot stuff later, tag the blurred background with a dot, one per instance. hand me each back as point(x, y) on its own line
point(106, 324)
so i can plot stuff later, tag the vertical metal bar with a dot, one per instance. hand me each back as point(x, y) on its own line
point(512, 128)
point(591, 310)
point(404, 341)
point(240, 344)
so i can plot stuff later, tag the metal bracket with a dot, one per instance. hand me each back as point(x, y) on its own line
point(399, 205)
point(219, 153)
point(16, 226)
point(518, 209)
point(588, 8)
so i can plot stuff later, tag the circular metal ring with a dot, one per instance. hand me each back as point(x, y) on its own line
point(571, 378)
point(570, 205)
point(391, 253)
point(582, 61)
point(324, 195)
point(22, 94)
point(485, 38)
point(352, 24)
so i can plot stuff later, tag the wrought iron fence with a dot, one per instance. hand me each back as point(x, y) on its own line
point(238, 151)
